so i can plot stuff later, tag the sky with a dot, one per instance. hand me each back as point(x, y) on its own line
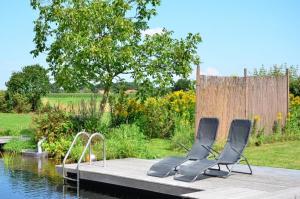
point(235, 33)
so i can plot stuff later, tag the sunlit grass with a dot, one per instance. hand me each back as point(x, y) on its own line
point(279, 154)
point(14, 121)
point(162, 148)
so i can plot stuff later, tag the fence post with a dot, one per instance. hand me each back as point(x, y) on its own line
point(197, 99)
point(287, 73)
point(246, 93)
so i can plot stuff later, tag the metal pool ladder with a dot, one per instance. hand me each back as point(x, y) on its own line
point(88, 145)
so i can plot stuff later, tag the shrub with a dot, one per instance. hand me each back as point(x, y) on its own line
point(58, 148)
point(20, 103)
point(53, 125)
point(76, 151)
point(45, 108)
point(295, 86)
point(155, 116)
point(88, 117)
point(159, 114)
point(58, 127)
point(27, 132)
point(184, 134)
point(126, 141)
point(293, 121)
point(14, 102)
point(124, 109)
point(156, 121)
point(291, 130)
point(16, 145)
point(183, 104)
point(258, 138)
point(3, 102)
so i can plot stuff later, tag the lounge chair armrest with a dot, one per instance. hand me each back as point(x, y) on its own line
point(213, 150)
point(182, 146)
point(237, 152)
point(209, 149)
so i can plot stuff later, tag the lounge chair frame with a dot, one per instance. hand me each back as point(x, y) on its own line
point(218, 163)
point(174, 162)
point(230, 170)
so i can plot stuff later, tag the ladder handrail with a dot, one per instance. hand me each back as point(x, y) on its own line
point(88, 144)
point(71, 147)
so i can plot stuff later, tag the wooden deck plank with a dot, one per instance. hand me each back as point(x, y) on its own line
point(133, 173)
point(229, 193)
point(5, 139)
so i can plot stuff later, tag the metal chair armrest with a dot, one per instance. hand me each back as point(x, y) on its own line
point(183, 146)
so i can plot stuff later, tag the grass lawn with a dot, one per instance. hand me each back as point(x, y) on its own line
point(162, 148)
point(14, 121)
point(280, 154)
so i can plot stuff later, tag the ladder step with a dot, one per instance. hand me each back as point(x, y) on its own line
point(71, 179)
point(67, 186)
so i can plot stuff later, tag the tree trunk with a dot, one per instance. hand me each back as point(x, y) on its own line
point(104, 100)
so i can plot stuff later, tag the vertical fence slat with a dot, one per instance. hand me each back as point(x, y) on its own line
point(241, 97)
point(287, 74)
point(198, 90)
point(246, 93)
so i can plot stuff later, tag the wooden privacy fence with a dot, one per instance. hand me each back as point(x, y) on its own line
point(228, 98)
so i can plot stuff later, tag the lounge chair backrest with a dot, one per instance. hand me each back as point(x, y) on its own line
point(239, 134)
point(237, 139)
point(206, 135)
point(207, 131)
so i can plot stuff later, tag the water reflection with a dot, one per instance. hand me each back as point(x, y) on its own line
point(26, 177)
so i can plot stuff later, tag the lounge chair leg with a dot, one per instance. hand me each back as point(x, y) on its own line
point(248, 166)
point(218, 169)
point(229, 170)
point(227, 167)
point(249, 173)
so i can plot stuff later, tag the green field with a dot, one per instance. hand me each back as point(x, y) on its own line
point(14, 121)
point(17, 122)
point(66, 99)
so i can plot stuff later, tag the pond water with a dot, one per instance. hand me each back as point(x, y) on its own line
point(24, 177)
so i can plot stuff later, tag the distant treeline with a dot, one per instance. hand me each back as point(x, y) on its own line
point(94, 88)
point(181, 84)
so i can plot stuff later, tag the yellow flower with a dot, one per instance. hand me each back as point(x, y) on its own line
point(279, 116)
point(256, 118)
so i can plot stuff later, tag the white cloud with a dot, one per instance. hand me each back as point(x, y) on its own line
point(210, 71)
point(152, 31)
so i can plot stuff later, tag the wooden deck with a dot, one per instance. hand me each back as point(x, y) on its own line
point(266, 182)
point(5, 139)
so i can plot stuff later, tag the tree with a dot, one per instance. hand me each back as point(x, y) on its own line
point(93, 41)
point(295, 86)
point(183, 84)
point(280, 70)
point(55, 88)
point(32, 82)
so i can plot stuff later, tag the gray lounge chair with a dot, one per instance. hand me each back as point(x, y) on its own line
point(232, 154)
point(206, 136)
